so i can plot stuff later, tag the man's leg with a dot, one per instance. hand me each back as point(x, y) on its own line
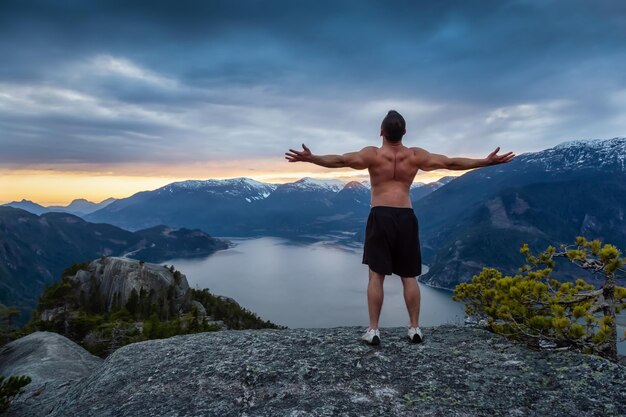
point(412, 299)
point(375, 297)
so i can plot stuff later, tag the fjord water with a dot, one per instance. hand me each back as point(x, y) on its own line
point(322, 284)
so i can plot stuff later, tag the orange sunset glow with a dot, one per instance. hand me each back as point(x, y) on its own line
point(60, 187)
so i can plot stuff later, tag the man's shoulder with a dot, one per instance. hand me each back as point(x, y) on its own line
point(418, 150)
point(370, 150)
point(419, 153)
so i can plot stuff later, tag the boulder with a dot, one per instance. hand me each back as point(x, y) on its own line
point(228, 300)
point(200, 307)
point(54, 364)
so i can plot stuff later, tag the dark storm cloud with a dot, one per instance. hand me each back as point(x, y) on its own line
point(81, 80)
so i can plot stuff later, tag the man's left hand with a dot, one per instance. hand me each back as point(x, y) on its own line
point(299, 156)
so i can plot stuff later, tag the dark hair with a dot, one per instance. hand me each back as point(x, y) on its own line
point(393, 126)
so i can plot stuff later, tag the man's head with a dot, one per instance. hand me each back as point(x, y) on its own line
point(393, 126)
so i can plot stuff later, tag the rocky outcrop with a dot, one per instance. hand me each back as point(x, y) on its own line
point(456, 371)
point(123, 275)
point(52, 361)
point(115, 279)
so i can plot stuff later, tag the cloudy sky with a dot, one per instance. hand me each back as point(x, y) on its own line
point(106, 98)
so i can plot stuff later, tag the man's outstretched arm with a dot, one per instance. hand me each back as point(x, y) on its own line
point(355, 160)
point(431, 161)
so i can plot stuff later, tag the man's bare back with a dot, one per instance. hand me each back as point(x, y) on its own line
point(392, 171)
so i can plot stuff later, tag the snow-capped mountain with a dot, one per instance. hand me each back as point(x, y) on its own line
point(353, 193)
point(212, 203)
point(565, 161)
point(609, 154)
point(546, 197)
point(308, 183)
point(242, 206)
point(307, 195)
point(355, 185)
point(236, 206)
point(242, 187)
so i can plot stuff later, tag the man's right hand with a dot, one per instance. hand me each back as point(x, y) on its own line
point(493, 158)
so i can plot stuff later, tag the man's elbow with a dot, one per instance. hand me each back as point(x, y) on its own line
point(433, 167)
point(340, 163)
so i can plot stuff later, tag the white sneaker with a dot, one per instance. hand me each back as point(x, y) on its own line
point(415, 334)
point(371, 336)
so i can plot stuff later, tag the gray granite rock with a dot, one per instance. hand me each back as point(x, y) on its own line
point(200, 307)
point(54, 364)
point(228, 299)
point(123, 275)
point(457, 371)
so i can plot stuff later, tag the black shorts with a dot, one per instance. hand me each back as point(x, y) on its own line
point(392, 243)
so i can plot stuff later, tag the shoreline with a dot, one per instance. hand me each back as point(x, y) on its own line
point(434, 286)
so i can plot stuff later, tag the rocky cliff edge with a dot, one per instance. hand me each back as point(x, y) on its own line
point(456, 371)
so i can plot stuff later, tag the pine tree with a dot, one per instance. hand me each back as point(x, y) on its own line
point(95, 304)
point(533, 307)
point(132, 305)
point(171, 299)
point(144, 303)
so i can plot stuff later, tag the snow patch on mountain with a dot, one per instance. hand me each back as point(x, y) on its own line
point(251, 189)
point(592, 143)
point(317, 183)
point(580, 153)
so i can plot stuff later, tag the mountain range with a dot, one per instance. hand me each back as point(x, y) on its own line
point(245, 207)
point(540, 198)
point(34, 250)
point(79, 206)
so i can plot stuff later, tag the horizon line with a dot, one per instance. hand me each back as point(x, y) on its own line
point(344, 181)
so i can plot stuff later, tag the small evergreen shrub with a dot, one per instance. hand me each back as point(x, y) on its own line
point(11, 387)
point(534, 307)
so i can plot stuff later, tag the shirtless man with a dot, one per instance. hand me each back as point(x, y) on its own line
point(391, 236)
